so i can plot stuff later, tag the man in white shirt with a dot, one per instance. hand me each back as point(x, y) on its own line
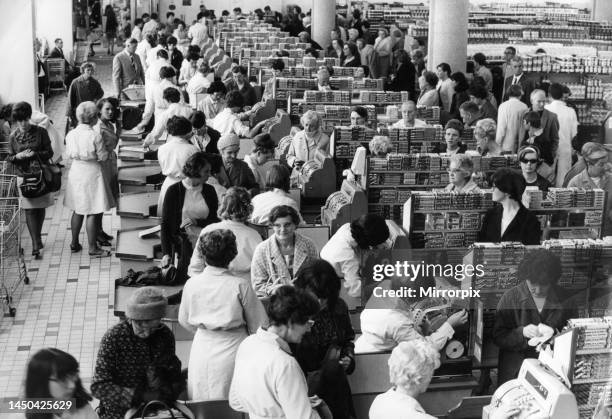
point(199, 83)
point(155, 103)
point(143, 48)
point(510, 128)
point(152, 25)
point(152, 77)
point(137, 31)
point(172, 98)
point(445, 85)
point(568, 129)
point(228, 122)
point(409, 119)
point(214, 102)
point(161, 45)
point(366, 52)
point(198, 32)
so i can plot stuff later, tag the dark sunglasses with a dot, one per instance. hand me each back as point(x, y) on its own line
point(532, 161)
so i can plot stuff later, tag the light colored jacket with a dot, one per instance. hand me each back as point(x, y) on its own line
point(268, 268)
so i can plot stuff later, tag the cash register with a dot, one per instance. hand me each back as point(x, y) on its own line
point(317, 178)
point(344, 206)
point(538, 391)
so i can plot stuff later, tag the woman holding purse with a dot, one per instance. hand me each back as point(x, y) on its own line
point(30, 148)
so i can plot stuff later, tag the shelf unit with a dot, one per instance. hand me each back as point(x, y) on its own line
point(389, 180)
point(590, 370)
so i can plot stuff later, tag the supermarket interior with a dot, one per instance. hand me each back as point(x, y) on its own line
point(306, 209)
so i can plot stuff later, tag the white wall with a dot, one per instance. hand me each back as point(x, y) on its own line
point(18, 79)
point(53, 19)
point(190, 12)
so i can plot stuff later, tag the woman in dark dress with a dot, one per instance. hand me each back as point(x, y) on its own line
point(83, 89)
point(461, 93)
point(536, 300)
point(403, 75)
point(509, 221)
point(529, 158)
point(29, 146)
point(327, 353)
point(110, 30)
point(351, 54)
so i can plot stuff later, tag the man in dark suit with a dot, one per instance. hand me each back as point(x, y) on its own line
point(127, 68)
point(71, 73)
point(240, 82)
point(519, 77)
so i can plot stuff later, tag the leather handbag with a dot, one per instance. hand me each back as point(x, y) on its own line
point(33, 185)
point(53, 176)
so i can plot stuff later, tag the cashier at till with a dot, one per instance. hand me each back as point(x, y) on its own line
point(348, 249)
point(523, 309)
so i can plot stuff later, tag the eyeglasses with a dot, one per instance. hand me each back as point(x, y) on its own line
point(310, 323)
point(599, 162)
point(527, 161)
point(148, 324)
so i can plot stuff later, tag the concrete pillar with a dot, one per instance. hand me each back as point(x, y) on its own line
point(53, 19)
point(448, 33)
point(323, 20)
point(18, 76)
point(602, 10)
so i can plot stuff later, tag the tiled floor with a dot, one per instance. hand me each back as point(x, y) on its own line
point(68, 303)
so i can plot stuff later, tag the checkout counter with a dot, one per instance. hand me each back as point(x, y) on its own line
point(344, 206)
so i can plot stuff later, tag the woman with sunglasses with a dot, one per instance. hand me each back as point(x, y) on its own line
point(54, 374)
point(596, 175)
point(529, 158)
point(509, 221)
point(136, 361)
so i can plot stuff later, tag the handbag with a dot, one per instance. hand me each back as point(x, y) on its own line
point(166, 412)
point(33, 185)
point(53, 176)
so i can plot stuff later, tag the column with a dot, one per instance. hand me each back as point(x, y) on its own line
point(448, 33)
point(323, 21)
point(53, 19)
point(602, 10)
point(18, 77)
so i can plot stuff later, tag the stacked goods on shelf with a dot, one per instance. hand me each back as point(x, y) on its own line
point(312, 62)
point(381, 97)
point(341, 83)
point(327, 97)
point(368, 84)
point(568, 212)
point(295, 83)
point(348, 139)
point(592, 363)
point(460, 214)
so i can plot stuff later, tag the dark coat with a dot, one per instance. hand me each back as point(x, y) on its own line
point(239, 174)
point(458, 99)
point(441, 148)
point(524, 228)
point(404, 80)
point(214, 135)
point(172, 213)
point(517, 309)
point(526, 83)
point(123, 363)
point(82, 90)
point(548, 141)
point(247, 92)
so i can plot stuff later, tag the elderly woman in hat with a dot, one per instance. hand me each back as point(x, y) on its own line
point(596, 175)
point(136, 362)
point(235, 172)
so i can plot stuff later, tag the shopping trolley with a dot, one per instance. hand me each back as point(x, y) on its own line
point(12, 262)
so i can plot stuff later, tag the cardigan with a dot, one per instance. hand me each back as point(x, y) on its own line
point(524, 228)
point(268, 267)
point(517, 309)
point(123, 363)
point(238, 174)
point(34, 138)
point(172, 213)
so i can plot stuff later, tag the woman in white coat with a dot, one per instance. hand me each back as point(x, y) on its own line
point(173, 155)
point(306, 142)
point(234, 211)
point(222, 310)
point(87, 194)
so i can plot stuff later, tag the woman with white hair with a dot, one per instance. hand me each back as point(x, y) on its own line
point(87, 194)
point(484, 133)
point(306, 142)
point(411, 367)
point(460, 174)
